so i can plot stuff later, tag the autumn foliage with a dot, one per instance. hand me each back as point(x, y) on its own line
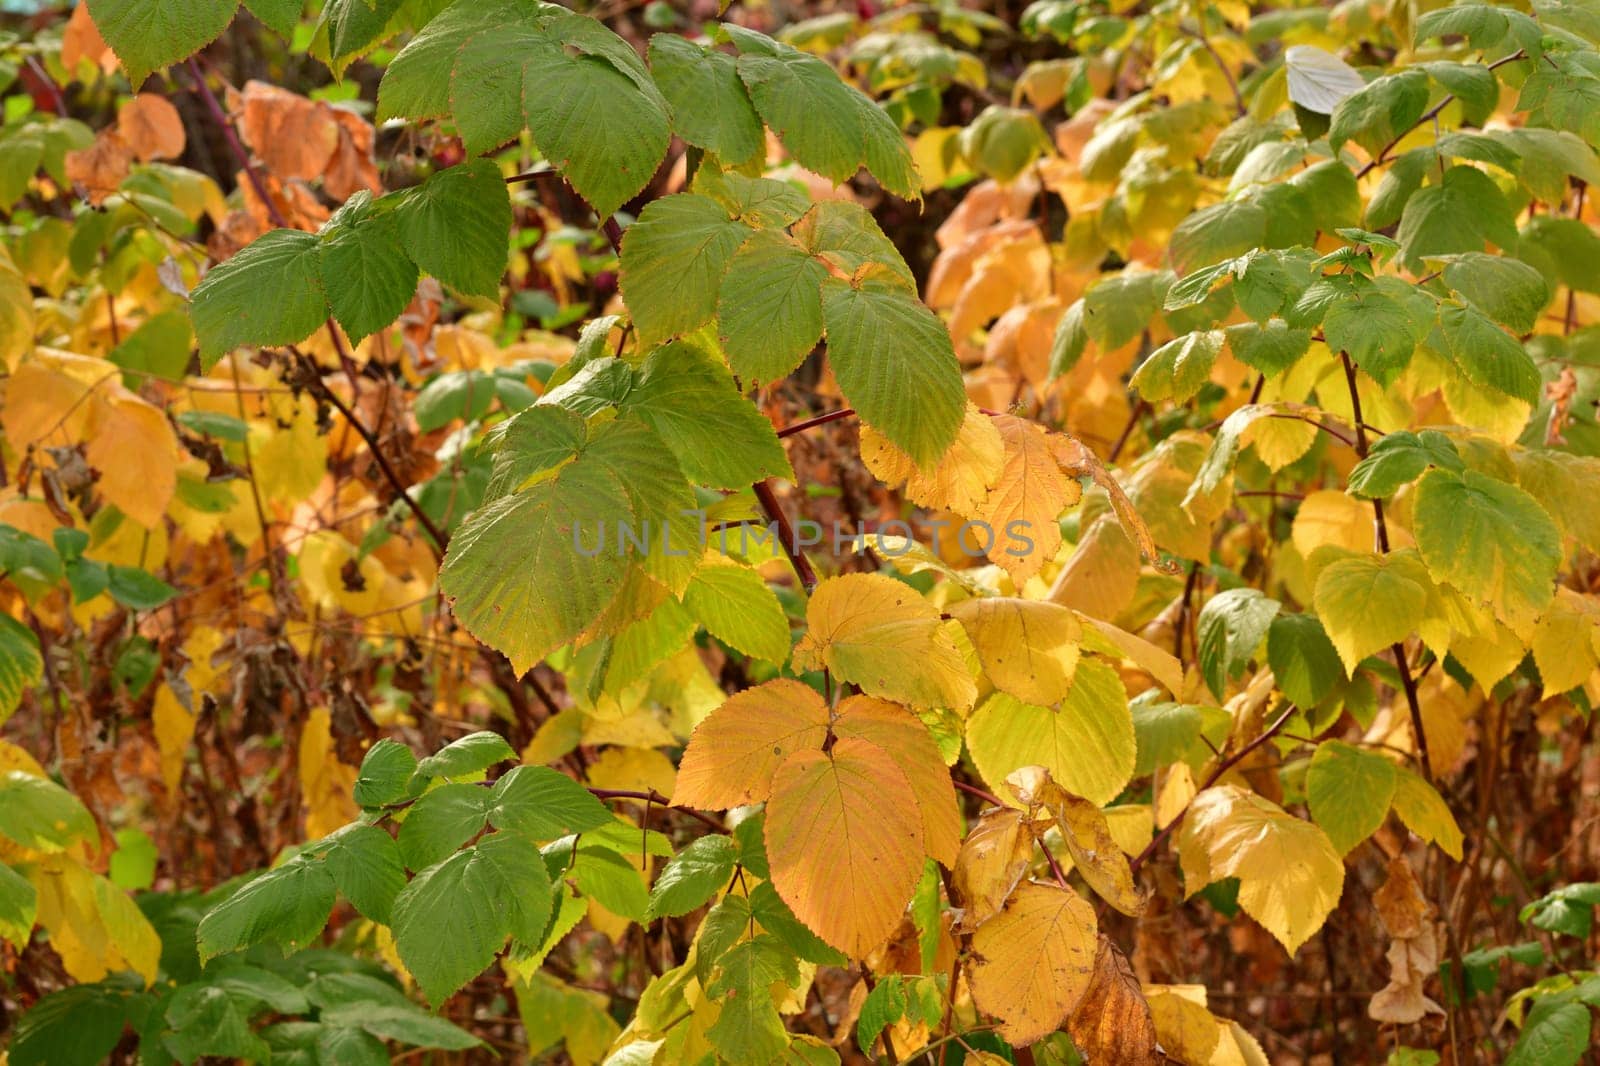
point(654, 534)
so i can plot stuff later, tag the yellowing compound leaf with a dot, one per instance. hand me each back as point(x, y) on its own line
point(1033, 962)
point(903, 735)
point(879, 633)
point(960, 481)
point(1028, 648)
point(844, 839)
point(1028, 497)
point(733, 754)
point(1290, 875)
point(1086, 743)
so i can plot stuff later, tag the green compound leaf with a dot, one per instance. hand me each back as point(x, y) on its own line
point(1490, 540)
point(1397, 459)
point(1380, 113)
point(365, 864)
point(709, 105)
point(287, 906)
point(456, 226)
point(828, 126)
point(894, 362)
point(471, 754)
point(769, 310)
point(719, 438)
point(452, 919)
point(694, 875)
point(1510, 292)
point(736, 606)
point(542, 804)
point(1459, 214)
point(366, 273)
point(1487, 355)
point(673, 261)
point(553, 526)
point(147, 35)
point(269, 293)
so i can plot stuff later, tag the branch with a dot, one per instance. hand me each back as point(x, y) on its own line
point(1216, 775)
point(1433, 113)
point(791, 544)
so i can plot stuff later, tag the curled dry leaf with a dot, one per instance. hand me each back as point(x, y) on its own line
point(100, 168)
point(1086, 834)
point(993, 859)
point(1413, 949)
point(1112, 1025)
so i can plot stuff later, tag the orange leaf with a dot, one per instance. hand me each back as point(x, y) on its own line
point(733, 754)
point(899, 732)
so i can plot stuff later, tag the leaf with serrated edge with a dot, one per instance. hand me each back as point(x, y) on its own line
point(733, 754)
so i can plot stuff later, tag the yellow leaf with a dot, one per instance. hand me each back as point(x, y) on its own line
point(556, 735)
point(1163, 666)
point(1366, 603)
point(845, 842)
point(173, 726)
point(1290, 874)
point(1132, 825)
point(1188, 1032)
point(733, 754)
point(899, 732)
point(1086, 743)
point(1088, 838)
point(993, 858)
point(1279, 441)
point(325, 782)
point(1032, 962)
point(1028, 648)
point(135, 452)
point(1566, 641)
point(960, 481)
point(633, 769)
point(1172, 799)
point(1102, 575)
point(881, 634)
point(1027, 500)
point(1331, 517)
point(94, 926)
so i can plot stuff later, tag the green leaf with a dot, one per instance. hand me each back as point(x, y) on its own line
point(350, 1047)
point(1349, 790)
point(1458, 214)
point(1490, 540)
point(597, 118)
point(416, 83)
point(1213, 234)
point(894, 362)
point(1120, 306)
point(147, 35)
point(1487, 355)
point(1397, 459)
point(1509, 292)
point(452, 919)
point(269, 293)
point(137, 589)
point(456, 226)
point(748, 1029)
point(1565, 250)
point(609, 879)
point(365, 864)
point(403, 1023)
point(21, 666)
point(205, 1021)
point(694, 875)
point(463, 394)
point(368, 277)
point(77, 1025)
point(1303, 659)
point(1381, 112)
point(563, 578)
point(709, 105)
point(469, 755)
point(279, 16)
point(1271, 347)
point(38, 813)
point(719, 438)
point(1568, 909)
point(440, 822)
point(1473, 85)
point(774, 916)
point(18, 907)
point(1555, 1033)
point(769, 309)
point(385, 774)
point(764, 203)
point(542, 804)
point(287, 906)
point(1179, 368)
point(735, 605)
point(673, 261)
point(829, 127)
point(1377, 331)
point(159, 347)
point(1232, 625)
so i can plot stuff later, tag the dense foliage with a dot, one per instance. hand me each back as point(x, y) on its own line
point(664, 535)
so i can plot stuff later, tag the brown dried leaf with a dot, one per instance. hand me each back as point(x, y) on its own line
point(294, 136)
point(151, 127)
point(1112, 1026)
point(100, 168)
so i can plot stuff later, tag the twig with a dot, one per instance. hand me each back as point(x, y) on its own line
point(1211, 779)
point(786, 534)
point(657, 799)
point(819, 420)
point(1433, 113)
